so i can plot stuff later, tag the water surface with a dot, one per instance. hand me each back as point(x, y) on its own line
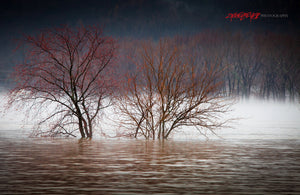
point(72, 166)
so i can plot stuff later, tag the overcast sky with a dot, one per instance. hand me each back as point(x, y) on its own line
point(139, 18)
point(29, 15)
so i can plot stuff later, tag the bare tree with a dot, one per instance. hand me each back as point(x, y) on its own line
point(280, 72)
point(170, 91)
point(69, 70)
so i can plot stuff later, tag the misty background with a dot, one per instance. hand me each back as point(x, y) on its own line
point(138, 19)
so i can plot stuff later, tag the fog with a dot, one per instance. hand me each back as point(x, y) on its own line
point(261, 119)
point(254, 119)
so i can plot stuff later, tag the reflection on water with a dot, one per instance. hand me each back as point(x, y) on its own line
point(69, 166)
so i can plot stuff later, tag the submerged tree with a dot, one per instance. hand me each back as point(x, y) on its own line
point(66, 71)
point(168, 91)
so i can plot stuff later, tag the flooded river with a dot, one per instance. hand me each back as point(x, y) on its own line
point(72, 166)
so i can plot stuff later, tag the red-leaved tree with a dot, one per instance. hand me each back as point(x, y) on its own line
point(66, 74)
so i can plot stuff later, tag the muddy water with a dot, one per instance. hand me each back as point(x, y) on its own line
point(72, 166)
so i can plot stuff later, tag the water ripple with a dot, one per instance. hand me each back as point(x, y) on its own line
point(69, 166)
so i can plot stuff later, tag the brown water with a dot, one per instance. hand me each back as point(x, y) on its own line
point(71, 166)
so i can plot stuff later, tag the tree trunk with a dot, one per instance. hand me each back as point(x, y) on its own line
point(86, 128)
point(81, 127)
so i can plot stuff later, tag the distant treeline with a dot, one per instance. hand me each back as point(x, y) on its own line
point(261, 64)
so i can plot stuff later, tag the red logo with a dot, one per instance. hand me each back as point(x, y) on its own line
point(243, 15)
